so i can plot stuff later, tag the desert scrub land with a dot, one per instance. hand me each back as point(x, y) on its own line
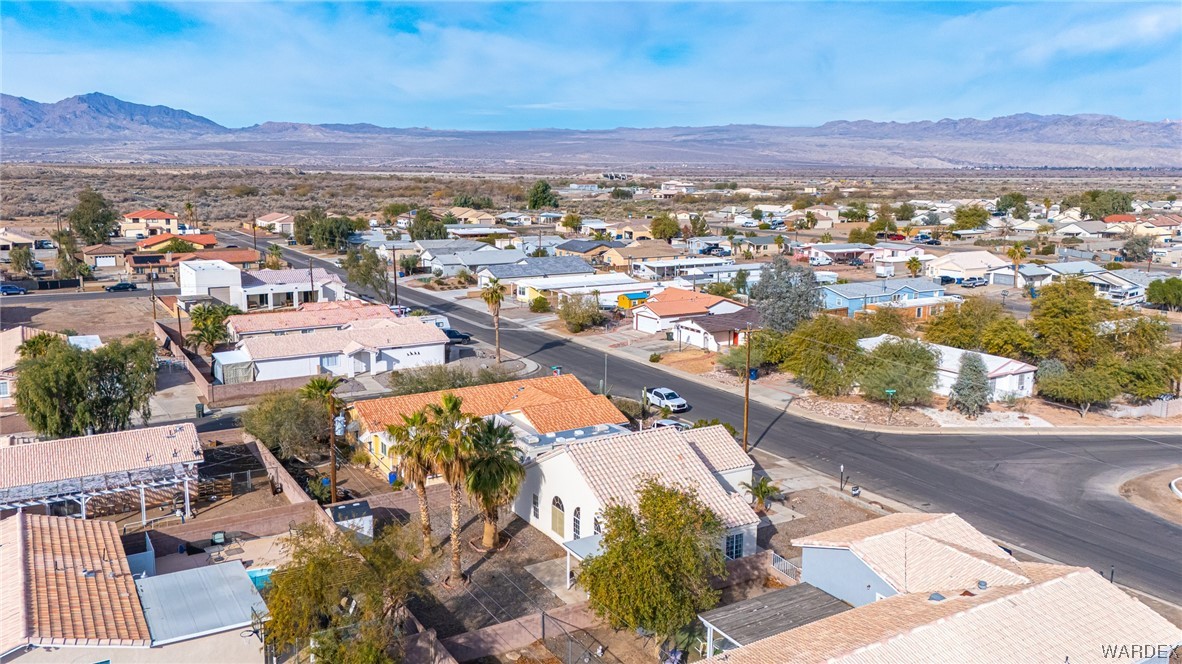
point(37, 195)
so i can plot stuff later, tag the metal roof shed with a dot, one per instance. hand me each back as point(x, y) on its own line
point(199, 602)
point(769, 614)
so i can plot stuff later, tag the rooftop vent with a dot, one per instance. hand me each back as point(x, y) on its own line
point(935, 597)
point(982, 585)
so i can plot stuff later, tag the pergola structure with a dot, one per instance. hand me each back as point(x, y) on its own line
point(80, 469)
point(750, 620)
point(580, 550)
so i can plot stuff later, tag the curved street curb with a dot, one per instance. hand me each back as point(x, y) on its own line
point(1175, 489)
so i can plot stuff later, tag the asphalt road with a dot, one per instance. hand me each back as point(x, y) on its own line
point(69, 295)
point(1054, 495)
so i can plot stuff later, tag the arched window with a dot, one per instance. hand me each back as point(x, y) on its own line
point(596, 526)
point(574, 524)
point(557, 517)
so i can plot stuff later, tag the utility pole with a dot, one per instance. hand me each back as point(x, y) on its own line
point(747, 388)
point(311, 280)
point(254, 232)
point(643, 401)
point(387, 261)
point(152, 297)
point(332, 448)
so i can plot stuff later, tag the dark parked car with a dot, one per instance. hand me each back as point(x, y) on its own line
point(9, 289)
point(457, 337)
point(121, 287)
point(880, 235)
point(933, 242)
point(947, 281)
point(857, 262)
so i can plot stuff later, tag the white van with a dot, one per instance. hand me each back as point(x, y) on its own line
point(817, 261)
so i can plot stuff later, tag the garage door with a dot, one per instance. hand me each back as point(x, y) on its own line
point(1003, 278)
point(104, 261)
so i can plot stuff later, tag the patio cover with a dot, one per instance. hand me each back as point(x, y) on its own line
point(198, 602)
point(769, 614)
point(580, 550)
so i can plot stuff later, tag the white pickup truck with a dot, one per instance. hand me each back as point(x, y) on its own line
point(663, 397)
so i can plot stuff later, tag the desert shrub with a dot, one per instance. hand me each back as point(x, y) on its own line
point(655, 357)
point(539, 305)
point(360, 458)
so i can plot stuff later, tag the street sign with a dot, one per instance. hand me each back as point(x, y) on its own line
point(890, 392)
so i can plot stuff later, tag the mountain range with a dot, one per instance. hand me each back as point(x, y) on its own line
point(98, 128)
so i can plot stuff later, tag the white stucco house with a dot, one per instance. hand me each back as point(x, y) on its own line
point(258, 289)
point(963, 265)
point(1006, 377)
point(364, 347)
point(565, 490)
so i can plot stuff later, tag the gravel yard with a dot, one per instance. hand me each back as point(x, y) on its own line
point(855, 409)
point(822, 511)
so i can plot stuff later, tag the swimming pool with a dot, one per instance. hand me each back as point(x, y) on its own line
point(261, 578)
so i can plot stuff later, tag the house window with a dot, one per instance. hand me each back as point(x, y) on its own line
point(557, 517)
point(734, 546)
point(596, 526)
point(534, 509)
point(3, 388)
point(919, 312)
point(574, 524)
point(329, 360)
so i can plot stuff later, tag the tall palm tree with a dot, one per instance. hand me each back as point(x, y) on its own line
point(493, 295)
point(451, 432)
point(914, 265)
point(209, 336)
point(412, 446)
point(39, 345)
point(494, 474)
point(1016, 254)
point(320, 389)
point(274, 257)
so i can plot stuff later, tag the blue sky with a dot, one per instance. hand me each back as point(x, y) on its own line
point(600, 65)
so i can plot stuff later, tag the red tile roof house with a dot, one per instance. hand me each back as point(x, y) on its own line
point(69, 592)
point(151, 262)
point(197, 240)
point(662, 311)
point(306, 318)
point(148, 223)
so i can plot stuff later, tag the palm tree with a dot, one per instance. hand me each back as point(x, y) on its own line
point(494, 474)
point(451, 444)
point(761, 492)
point(39, 345)
point(1016, 254)
point(274, 257)
point(914, 265)
point(493, 295)
point(320, 389)
point(209, 336)
point(190, 214)
point(412, 446)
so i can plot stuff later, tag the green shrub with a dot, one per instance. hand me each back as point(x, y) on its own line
point(655, 357)
point(539, 305)
point(1046, 250)
point(360, 458)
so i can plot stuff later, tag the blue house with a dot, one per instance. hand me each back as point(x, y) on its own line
point(854, 297)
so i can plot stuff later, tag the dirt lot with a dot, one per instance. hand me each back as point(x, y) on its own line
point(823, 511)
point(1063, 416)
point(1151, 492)
point(108, 317)
point(693, 360)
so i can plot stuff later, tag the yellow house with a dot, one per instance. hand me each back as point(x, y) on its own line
point(628, 300)
point(635, 232)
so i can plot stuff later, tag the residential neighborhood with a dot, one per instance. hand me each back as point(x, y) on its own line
point(574, 333)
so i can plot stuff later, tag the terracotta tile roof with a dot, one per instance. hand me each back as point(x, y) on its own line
point(717, 449)
point(1119, 218)
point(569, 414)
point(680, 302)
point(924, 552)
point(333, 304)
point(1065, 614)
point(392, 333)
point(486, 400)
point(198, 240)
point(149, 214)
point(50, 599)
point(12, 338)
point(615, 466)
point(305, 317)
point(68, 458)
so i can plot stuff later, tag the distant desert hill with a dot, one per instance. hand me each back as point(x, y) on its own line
point(98, 128)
